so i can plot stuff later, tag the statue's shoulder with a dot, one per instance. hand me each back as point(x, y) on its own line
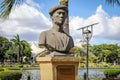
point(68, 35)
point(44, 32)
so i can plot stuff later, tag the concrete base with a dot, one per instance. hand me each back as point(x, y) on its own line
point(58, 68)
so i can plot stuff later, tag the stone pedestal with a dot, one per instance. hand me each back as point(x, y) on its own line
point(58, 68)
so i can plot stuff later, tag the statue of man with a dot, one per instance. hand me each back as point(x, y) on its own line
point(55, 39)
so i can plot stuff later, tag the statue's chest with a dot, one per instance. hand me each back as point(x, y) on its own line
point(58, 40)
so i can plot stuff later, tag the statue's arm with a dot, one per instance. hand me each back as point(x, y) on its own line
point(72, 42)
point(42, 39)
point(42, 44)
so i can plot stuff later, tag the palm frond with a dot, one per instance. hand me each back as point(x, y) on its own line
point(6, 7)
point(113, 2)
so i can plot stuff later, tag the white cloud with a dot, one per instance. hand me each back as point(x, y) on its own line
point(32, 3)
point(108, 27)
point(26, 21)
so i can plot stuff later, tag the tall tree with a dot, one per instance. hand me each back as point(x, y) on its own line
point(21, 48)
point(17, 46)
point(7, 5)
point(4, 46)
point(107, 52)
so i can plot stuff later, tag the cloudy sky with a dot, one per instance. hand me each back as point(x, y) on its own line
point(31, 18)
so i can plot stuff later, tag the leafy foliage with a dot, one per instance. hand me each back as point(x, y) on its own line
point(106, 52)
point(10, 75)
point(15, 49)
point(3, 69)
point(64, 2)
point(6, 7)
point(4, 46)
point(21, 48)
point(111, 73)
point(113, 2)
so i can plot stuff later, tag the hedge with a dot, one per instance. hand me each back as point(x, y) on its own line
point(10, 75)
point(111, 73)
point(3, 69)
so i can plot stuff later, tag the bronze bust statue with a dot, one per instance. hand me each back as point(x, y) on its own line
point(55, 39)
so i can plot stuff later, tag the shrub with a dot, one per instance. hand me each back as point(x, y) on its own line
point(10, 75)
point(3, 69)
point(19, 65)
point(106, 65)
point(82, 65)
point(111, 73)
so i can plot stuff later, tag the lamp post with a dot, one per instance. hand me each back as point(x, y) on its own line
point(87, 32)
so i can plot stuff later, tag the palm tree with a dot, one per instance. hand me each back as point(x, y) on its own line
point(7, 5)
point(26, 50)
point(18, 47)
point(21, 48)
point(113, 2)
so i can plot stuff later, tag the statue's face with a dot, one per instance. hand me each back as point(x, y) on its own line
point(59, 16)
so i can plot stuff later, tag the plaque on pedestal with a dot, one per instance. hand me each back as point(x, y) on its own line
point(58, 68)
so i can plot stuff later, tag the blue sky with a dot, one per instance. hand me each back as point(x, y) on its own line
point(31, 18)
point(84, 8)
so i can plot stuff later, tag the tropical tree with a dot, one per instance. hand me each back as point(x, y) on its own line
point(7, 5)
point(21, 48)
point(9, 52)
point(26, 51)
point(106, 52)
point(118, 59)
point(14, 50)
point(4, 46)
point(113, 2)
point(78, 52)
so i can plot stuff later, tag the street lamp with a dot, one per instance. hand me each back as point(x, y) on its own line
point(87, 35)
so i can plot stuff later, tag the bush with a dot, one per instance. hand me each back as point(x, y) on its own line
point(10, 75)
point(106, 65)
point(111, 73)
point(19, 65)
point(82, 65)
point(3, 69)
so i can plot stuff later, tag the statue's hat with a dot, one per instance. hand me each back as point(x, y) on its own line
point(52, 10)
